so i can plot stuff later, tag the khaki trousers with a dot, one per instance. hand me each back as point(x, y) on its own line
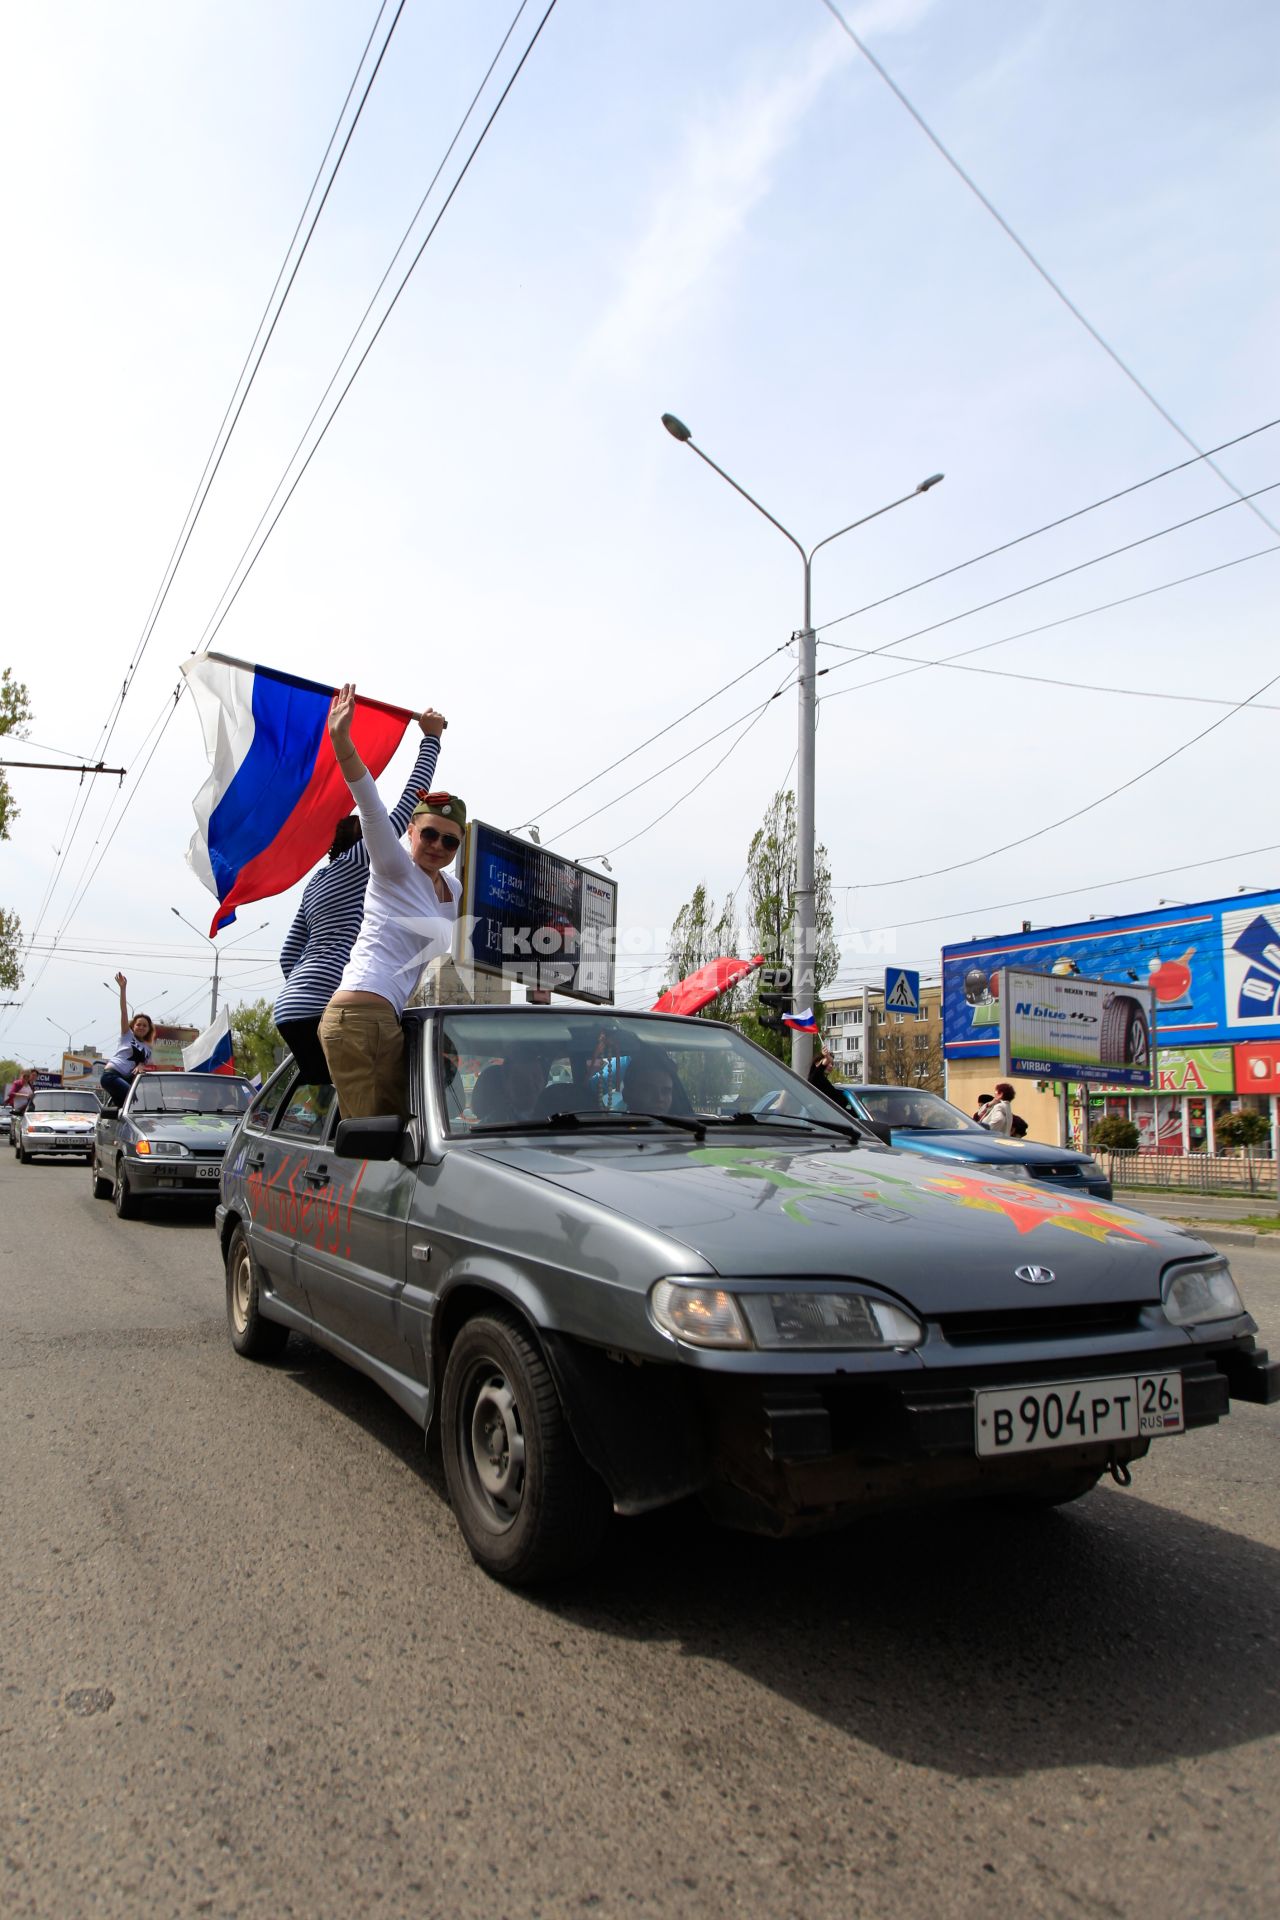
point(364, 1046)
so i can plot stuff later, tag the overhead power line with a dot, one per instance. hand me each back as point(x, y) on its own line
point(231, 594)
point(1077, 813)
point(1064, 573)
point(1032, 260)
point(253, 361)
point(1026, 633)
point(1077, 513)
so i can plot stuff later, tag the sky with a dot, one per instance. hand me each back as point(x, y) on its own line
point(710, 207)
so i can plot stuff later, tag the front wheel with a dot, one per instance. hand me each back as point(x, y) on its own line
point(528, 1505)
point(101, 1185)
point(122, 1193)
point(256, 1337)
point(23, 1156)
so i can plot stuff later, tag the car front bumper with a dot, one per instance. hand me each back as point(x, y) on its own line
point(174, 1180)
point(794, 1452)
point(67, 1147)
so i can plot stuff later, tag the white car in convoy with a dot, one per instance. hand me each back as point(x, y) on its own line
point(59, 1123)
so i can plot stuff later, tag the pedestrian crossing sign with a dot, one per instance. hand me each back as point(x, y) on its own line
point(901, 990)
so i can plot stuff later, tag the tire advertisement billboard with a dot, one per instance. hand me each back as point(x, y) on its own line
point(1069, 1028)
point(1212, 968)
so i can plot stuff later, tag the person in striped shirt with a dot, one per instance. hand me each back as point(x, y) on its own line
point(326, 925)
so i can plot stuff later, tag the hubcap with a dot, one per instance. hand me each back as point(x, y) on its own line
point(491, 1444)
point(240, 1289)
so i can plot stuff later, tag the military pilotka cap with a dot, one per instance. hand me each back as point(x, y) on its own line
point(447, 805)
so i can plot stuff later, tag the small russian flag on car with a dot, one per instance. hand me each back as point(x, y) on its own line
point(211, 1053)
point(805, 1022)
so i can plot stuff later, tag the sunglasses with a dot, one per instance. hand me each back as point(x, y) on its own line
point(449, 841)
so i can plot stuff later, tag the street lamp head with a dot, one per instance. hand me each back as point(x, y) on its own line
point(934, 480)
point(676, 428)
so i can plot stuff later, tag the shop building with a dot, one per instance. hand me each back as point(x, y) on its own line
point(1213, 968)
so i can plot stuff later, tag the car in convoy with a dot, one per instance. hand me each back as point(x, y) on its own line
point(610, 1305)
point(167, 1139)
point(923, 1121)
point(57, 1125)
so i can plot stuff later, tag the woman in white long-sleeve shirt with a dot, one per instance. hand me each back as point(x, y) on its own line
point(409, 913)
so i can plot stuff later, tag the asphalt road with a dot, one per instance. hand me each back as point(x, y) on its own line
point(247, 1667)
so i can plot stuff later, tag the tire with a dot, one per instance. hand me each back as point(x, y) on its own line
point(1123, 1039)
point(252, 1334)
point(125, 1202)
point(24, 1158)
point(101, 1185)
point(527, 1503)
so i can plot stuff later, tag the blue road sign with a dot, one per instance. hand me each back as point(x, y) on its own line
point(901, 990)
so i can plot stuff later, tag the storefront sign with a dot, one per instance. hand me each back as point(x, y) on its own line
point(1258, 1067)
point(1194, 1070)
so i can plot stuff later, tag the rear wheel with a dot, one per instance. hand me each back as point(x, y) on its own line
point(256, 1337)
point(101, 1185)
point(528, 1505)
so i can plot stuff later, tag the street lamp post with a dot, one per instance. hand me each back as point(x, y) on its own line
point(63, 1030)
point(805, 929)
point(213, 993)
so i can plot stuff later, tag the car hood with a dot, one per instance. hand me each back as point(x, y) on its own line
point(991, 1147)
point(64, 1122)
point(945, 1240)
point(202, 1132)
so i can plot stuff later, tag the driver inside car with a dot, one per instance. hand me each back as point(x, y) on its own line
point(650, 1087)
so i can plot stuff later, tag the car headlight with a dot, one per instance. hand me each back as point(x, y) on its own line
point(793, 1321)
point(162, 1149)
point(1000, 1169)
point(1194, 1295)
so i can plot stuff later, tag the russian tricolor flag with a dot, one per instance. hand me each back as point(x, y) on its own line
point(275, 792)
point(805, 1022)
point(211, 1053)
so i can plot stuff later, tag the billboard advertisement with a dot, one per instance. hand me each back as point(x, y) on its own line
point(1056, 1027)
point(536, 917)
point(1213, 970)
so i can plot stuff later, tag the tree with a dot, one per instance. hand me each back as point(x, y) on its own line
point(254, 1037)
point(10, 947)
point(771, 887)
point(899, 1062)
point(1243, 1130)
point(1114, 1134)
point(9, 1070)
point(15, 710)
point(696, 939)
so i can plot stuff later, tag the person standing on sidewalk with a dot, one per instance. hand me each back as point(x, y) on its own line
point(409, 913)
point(998, 1117)
point(327, 922)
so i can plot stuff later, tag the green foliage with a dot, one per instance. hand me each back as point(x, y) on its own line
point(1247, 1130)
point(696, 939)
point(15, 710)
point(9, 1070)
point(254, 1037)
point(1114, 1134)
point(10, 950)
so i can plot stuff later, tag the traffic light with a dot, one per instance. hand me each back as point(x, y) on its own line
point(774, 998)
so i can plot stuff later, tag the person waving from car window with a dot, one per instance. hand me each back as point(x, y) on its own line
point(409, 913)
point(132, 1052)
point(327, 923)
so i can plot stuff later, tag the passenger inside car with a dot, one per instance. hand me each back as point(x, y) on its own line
point(509, 1090)
point(650, 1086)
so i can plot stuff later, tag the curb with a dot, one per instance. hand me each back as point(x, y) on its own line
point(1233, 1236)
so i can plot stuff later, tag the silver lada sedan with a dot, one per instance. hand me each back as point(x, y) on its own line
point(624, 1258)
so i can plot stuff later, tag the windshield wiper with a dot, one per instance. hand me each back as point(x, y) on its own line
point(845, 1128)
point(555, 1122)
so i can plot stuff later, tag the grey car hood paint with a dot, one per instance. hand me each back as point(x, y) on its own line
point(942, 1238)
point(202, 1132)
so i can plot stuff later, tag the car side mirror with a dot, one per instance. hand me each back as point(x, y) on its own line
point(881, 1129)
point(380, 1137)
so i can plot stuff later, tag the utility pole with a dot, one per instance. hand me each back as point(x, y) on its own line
point(805, 928)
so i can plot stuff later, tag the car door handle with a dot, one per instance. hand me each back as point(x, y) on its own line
point(317, 1177)
point(256, 1162)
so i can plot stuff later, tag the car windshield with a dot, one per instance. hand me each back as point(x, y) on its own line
point(910, 1107)
point(59, 1100)
point(191, 1093)
point(515, 1068)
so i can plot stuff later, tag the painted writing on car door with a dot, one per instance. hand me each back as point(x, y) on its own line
point(285, 1204)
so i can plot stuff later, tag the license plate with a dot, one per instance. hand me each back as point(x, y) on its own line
point(208, 1173)
point(1073, 1413)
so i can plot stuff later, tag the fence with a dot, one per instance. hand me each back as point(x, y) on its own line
point(1196, 1172)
